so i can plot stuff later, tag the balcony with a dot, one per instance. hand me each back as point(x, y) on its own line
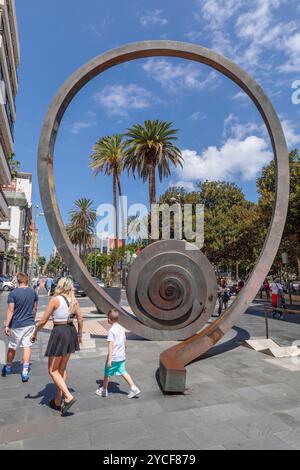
point(14, 197)
point(4, 211)
point(5, 176)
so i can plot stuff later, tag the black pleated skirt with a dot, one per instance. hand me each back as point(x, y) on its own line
point(63, 341)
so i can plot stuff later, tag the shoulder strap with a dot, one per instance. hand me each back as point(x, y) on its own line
point(66, 300)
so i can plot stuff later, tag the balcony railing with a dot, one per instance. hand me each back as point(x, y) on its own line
point(4, 211)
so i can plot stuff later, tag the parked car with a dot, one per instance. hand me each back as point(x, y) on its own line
point(79, 292)
point(99, 281)
point(5, 284)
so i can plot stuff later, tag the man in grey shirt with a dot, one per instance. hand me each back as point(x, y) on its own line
point(20, 324)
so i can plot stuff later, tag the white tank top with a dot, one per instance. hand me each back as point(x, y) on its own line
point(61, 314)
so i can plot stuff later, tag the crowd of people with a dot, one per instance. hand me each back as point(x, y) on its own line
point(226, 291)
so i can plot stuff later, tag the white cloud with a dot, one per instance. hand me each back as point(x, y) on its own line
point(260, 28)
point(258, 31)
point(101, 27)
point(86, 123)
point(187, 185)
point(290, 132)
point(292, 47)
point(117, 100)
point(174, 77)
point(235, 129)
point(217, 12)
point(197, 116)
point(241, 95)
point(193, 35)
point(153, 18)
point(236, 159)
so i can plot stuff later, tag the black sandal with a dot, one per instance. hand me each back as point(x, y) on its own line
point(54, 406)
point(67, 406)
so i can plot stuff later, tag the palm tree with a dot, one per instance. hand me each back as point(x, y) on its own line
point(150, 147)
point(107, 158)
point(81, 225)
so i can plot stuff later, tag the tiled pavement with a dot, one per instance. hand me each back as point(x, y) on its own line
point(236, 399)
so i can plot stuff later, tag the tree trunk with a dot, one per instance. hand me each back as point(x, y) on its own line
point(116, 240)
point(298, 261)
point(152, 189)
point(152, 184)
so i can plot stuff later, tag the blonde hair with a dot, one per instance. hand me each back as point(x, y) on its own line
point(113, 315)
point(65, 287)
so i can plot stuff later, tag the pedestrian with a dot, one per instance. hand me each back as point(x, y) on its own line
point(14, 281)
point(267, 288)
point(63, 342)
point(278, 301)
point(20, 324)
point(48, 286)
point(116, 359)
point(220, 296)
point(240, 285)
point(35, 283)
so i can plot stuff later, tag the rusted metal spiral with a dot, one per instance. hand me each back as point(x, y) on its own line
point(172, 288)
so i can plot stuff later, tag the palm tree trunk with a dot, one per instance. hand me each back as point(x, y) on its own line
point(116, 241)
point(152, 184)
point(152, 191)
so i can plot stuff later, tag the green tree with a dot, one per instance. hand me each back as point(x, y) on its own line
point(42, 262)
point(266, 186)
point(81, 225)
point(232, 224)
point(55, 266)
point(107, 158)
point(14, 165)
point(149, 148)
point(97, 263)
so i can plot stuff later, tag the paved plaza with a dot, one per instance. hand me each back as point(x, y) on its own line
point(236, 398)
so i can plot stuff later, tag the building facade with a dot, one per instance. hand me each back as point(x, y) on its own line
point(34, 251)
point(17, 230)
point(9, 62)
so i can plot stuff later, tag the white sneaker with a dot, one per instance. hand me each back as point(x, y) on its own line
point(134, 393)
point(101, 392)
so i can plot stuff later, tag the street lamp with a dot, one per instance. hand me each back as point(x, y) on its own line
point(285, 262)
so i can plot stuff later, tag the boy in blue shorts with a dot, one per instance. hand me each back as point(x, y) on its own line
point(115, 364)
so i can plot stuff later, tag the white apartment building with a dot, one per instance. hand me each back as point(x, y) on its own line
point(17, 229)
point(9, 62)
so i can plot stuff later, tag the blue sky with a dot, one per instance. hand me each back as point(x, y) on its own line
point(222, 136)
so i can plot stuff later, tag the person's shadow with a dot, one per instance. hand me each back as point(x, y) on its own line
point(46, 395)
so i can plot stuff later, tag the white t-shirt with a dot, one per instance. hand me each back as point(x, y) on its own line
point(276, 287)
point(117, 335)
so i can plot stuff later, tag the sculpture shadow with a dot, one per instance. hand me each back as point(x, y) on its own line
point(226, 346)
point(233, 343)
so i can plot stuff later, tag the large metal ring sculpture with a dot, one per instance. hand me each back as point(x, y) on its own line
point(172, 291)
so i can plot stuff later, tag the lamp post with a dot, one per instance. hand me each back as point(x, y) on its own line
point(285, 262)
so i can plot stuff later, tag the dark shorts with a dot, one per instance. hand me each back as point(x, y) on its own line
point(63, 341)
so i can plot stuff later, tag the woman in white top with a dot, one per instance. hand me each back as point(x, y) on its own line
point(64, 340)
